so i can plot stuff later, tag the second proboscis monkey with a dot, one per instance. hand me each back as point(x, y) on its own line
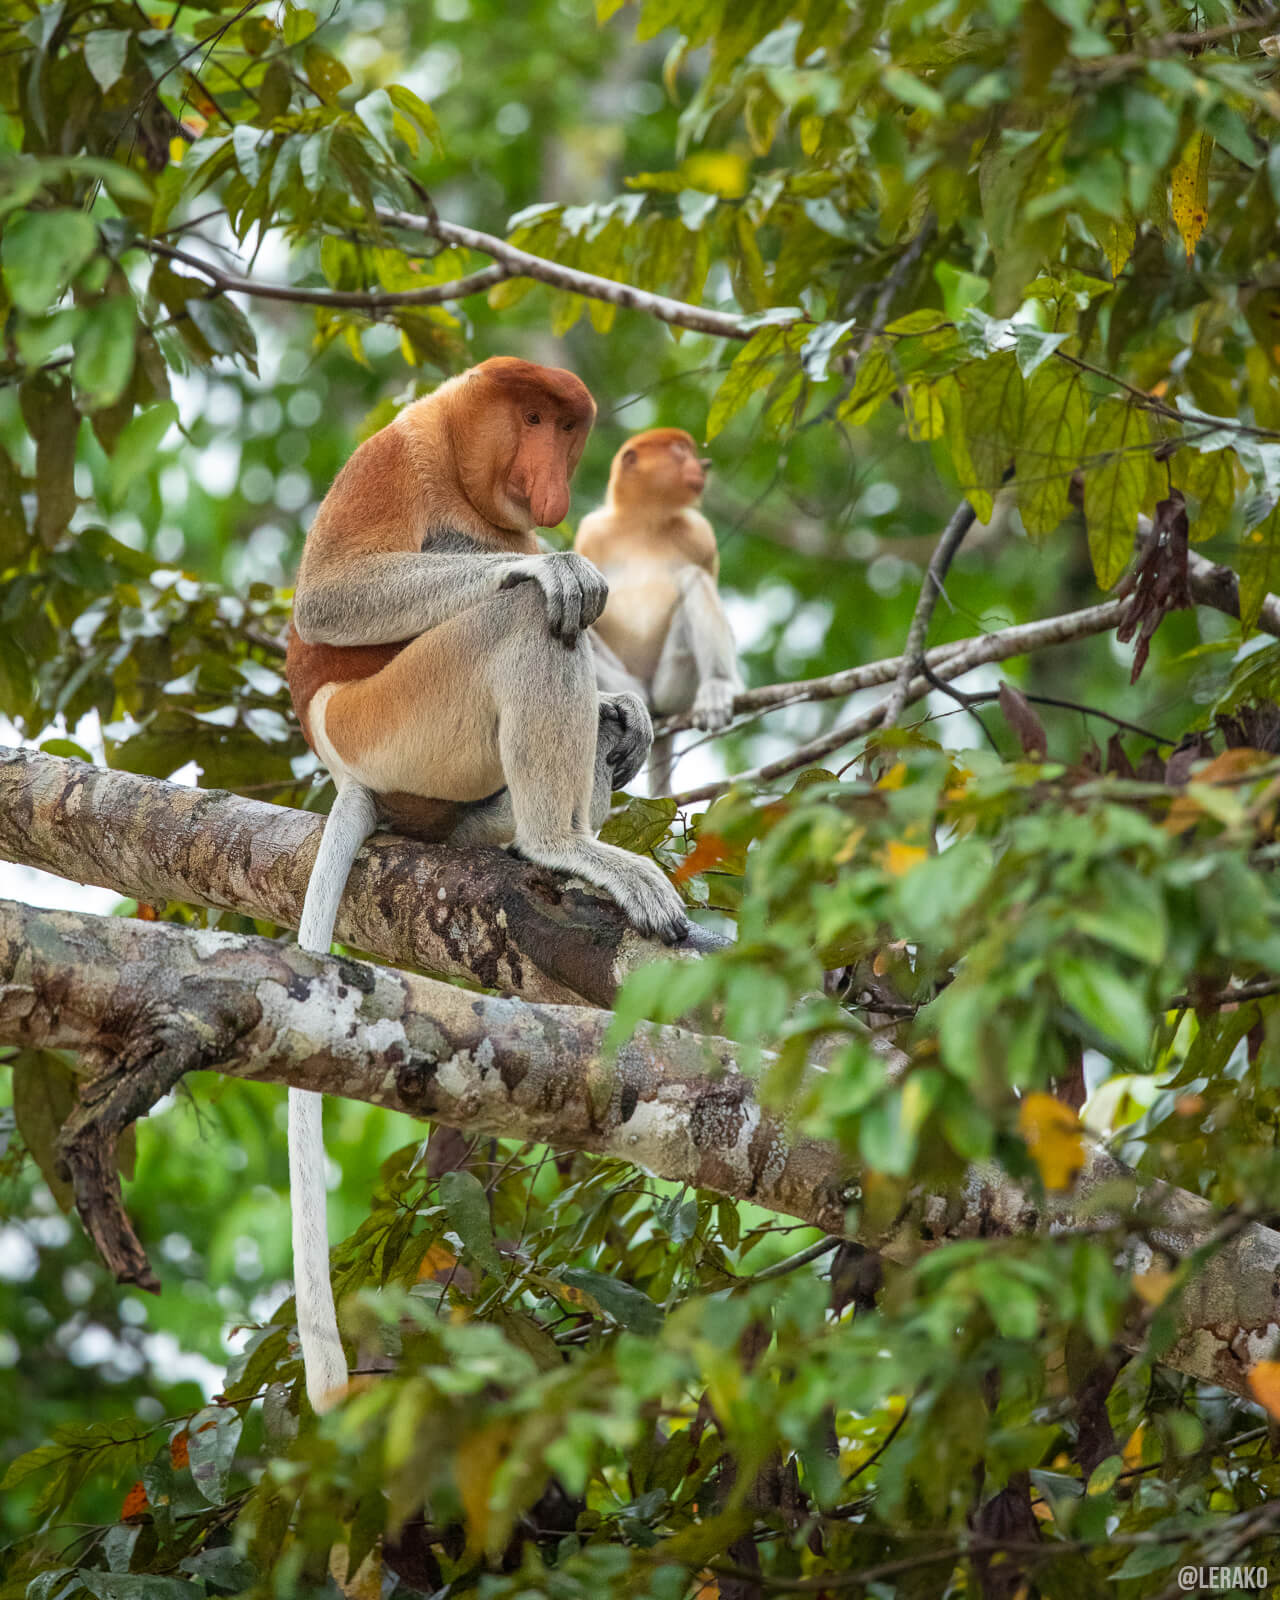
point(440, 667)
point(663, 632)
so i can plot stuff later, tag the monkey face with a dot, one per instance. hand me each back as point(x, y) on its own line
point(660, 466)
point(519, 445)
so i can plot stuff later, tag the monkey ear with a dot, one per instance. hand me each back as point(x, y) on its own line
point(629, 458)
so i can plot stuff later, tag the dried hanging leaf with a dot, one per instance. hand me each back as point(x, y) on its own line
point(1024, 722)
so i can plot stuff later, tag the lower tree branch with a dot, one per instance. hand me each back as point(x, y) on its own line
point(143, 1002)
point(477, 914)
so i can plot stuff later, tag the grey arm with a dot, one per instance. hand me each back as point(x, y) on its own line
point(385, 596)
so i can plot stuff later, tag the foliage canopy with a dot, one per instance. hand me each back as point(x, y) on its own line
point(1020, 251)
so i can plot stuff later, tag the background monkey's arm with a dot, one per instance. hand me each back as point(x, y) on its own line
point(383, 596)
point(714, 652)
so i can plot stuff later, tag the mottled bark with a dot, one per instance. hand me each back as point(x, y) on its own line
point(475, 913)
point(144, 1002)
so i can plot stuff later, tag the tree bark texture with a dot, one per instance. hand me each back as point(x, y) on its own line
point(145, 1002)
point(475, 913)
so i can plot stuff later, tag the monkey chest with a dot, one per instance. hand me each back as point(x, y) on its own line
point(637, 615)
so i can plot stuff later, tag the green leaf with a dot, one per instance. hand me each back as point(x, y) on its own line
point(1118, 484)
point(137, 1586)
point(13, 518)
point(212, 1436)
point(992, 395)
point(752, 369)
point(41, 252)
point(1107, 1001)
point(467, 1207)
point(1054, 422)
point(325, 73)
point(104, 351)
point(1259, 568)
point(105, 50)
point(44, 1095)
point(1208, 481)
point(225, 327)
point(49, 411)
point(411, 105)
point(625, 1304)
point(136, 447)
point(641, 825)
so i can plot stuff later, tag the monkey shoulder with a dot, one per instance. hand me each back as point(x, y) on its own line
point(377, 501)
point(697, 540)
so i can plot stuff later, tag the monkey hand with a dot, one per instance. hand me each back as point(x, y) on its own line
point(712, 707)
point(574, 589)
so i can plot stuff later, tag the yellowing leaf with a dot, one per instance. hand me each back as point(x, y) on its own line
point(1264, 1385)
point(1259, 568)
point(1153, 1287)
point(1132, 1452)
point(1053, 1136)
point(898, 858)
point(1190, 183)
point(439, 1258)
point(1052, 442)
point(1117, 484)
point(1118, 234)
point(479, 1455)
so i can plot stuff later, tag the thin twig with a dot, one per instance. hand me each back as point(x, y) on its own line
point(962, 519)
point(893, 282)
point(1231, 996)
point(519, 263)
point(1022, 638)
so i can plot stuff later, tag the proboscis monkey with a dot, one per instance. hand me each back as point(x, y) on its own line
point(663, 630)
point(440, 667)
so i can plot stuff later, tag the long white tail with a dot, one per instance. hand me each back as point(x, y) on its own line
point(348, 825)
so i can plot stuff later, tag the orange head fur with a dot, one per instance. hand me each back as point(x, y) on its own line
point(518, 431)
point(660, 468)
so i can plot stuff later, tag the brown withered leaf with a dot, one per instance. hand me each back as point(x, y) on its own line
point(1159, 583)
point(1024, 722)
point(1118, 763)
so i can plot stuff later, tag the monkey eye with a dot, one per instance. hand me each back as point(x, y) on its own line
point(570, 426)
point(532, 418)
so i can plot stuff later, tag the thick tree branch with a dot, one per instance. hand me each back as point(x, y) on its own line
point(144, 1002)
point(476, 914)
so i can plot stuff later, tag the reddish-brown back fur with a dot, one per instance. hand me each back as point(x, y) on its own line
point(308, 667)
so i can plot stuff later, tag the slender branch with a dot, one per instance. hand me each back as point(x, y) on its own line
point(947, 661)
point(520, 263)
point(1021, 639)
point(372, 300)
point(1233, 995)
point(962, 519)
point(894, 281)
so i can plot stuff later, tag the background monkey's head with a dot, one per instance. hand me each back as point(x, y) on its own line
point(661, 468)
point(519, 432)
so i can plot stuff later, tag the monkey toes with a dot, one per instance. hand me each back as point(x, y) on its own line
point(713, 705)
point(626, 735)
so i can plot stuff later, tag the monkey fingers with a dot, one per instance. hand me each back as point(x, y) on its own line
point(573, 589)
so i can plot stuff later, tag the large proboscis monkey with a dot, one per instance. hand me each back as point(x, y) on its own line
point(663, 632)
point(440, 667)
